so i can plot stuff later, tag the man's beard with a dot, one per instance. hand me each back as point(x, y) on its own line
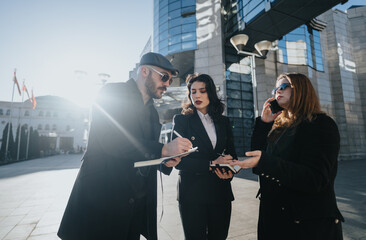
point(151, 88)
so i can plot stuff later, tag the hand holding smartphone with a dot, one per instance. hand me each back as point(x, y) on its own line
point(274, 106)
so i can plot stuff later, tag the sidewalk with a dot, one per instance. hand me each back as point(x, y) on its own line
point(33, 196)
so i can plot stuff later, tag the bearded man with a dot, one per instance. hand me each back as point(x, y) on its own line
point(111, 199)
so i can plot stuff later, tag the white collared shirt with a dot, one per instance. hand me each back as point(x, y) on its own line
point(209, 126)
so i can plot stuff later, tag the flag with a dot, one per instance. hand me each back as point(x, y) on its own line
point(34, 102)
point(16, 82)
point(26, 90)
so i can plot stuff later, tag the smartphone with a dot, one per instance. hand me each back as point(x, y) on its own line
point(275, 108)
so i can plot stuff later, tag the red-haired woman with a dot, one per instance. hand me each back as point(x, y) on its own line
point(296, 160)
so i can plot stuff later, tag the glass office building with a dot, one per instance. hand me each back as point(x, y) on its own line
point(195, 36)
point(174, 26)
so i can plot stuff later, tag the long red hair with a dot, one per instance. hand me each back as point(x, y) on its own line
point(304, 102)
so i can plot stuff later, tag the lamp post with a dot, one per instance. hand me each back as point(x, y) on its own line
point(262, 47)
point(104, 78)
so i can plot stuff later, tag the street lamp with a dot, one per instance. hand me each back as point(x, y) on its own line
point(239, 41)
point(104, 77)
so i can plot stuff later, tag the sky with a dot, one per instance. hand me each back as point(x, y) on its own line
point(60, 47)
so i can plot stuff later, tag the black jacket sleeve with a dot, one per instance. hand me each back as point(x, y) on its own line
point(312, 165)
point(116, 127)
point(260, 133)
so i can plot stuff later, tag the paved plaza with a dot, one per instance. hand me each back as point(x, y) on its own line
point(33, 196)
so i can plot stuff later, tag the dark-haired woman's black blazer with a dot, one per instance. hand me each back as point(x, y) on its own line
point(196, 183)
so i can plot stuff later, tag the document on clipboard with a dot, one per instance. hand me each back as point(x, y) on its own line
point(163, 159)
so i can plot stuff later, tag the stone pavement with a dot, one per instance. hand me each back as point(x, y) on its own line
point(33, 196)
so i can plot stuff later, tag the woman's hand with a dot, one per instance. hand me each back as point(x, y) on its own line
point(226, 159)
point(224, 174)
point(266, 112)
point(249, 162)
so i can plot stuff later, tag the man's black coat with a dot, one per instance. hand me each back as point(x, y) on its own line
point(123, 131)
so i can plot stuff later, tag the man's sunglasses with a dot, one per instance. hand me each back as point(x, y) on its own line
point(283, 86)
point(164, 76)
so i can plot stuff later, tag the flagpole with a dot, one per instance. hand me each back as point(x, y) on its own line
point(31, 100)
point(11, 110)
point(20, 125)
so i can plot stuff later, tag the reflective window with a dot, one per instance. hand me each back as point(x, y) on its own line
point(189, 28)
point(174, 14)
point(174, 6)
point(164, 10)
point(188, 37)
point(190, 19)
point(163, 35)
point(163, 3)
point(174, 48)
point(163, 19)
point(164, 51)
point(254, 12)
point(188, 10)
point(301, 46)
point(174, 40)
point(1, 111)
point(174, 22)
point(175, 31)
point(26, 114)
point(8, 112)
point(54, 127)
point(163, 27)
point(164, 43)
point(189, 45)
point(186, 3)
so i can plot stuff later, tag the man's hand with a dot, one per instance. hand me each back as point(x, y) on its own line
point(177, 146)
point(174, 162)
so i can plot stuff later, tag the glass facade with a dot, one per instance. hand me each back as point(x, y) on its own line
point(239, 93)
point(249, 10)
point(301, 46)
point(174, 26)
point(240, 108)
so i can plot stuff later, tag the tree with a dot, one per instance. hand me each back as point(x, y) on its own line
point(10, 143)
point(33, 144)
point(14, 151)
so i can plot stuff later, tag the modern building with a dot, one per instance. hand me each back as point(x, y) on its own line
point(62, 126)
point(329, 46)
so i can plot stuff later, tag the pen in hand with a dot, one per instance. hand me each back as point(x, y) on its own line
point(222, 154)
point(176, 133)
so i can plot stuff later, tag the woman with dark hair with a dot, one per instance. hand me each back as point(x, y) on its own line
point(204, 195)
point(296, 159)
